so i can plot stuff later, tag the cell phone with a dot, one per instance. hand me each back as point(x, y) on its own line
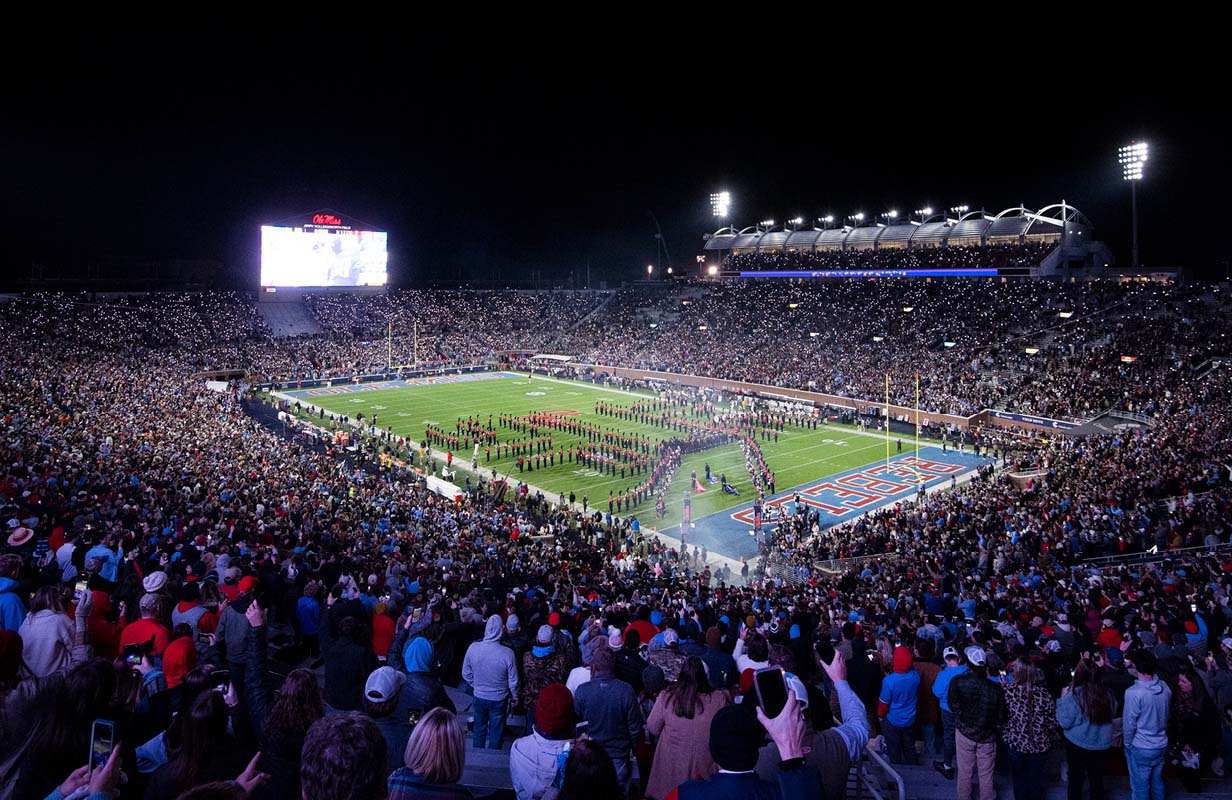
point(102, 742)
point(203, 638)
point(79, 589)
point(133, 655)
point(825, 651)
point(581, 727)
point(771, 688)
point(1193, 607)
point(220, 679)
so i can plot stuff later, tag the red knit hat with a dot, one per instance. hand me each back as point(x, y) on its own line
point(179, 659)
point(554, 619)
point(746, 681)
point(554, 711)
point(1191, 626)
point(247, 584)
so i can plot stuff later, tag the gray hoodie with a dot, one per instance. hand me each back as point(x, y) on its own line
point(489, 666)
point(1146, 714)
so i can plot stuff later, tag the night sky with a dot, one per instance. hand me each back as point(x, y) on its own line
point(494, 155)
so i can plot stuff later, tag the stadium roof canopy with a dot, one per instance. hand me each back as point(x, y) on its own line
point(1017, 224)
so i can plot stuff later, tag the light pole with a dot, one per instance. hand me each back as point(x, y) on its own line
point(1132, 157)
point(720, 203)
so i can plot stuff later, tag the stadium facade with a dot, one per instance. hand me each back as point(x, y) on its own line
point(1061, 235)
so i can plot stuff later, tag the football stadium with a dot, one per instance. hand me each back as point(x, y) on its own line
point(489, 436)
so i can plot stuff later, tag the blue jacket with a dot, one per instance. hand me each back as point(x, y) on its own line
point(308, 610)
point(111, 561)
point(12, 610)
point(941, 686)
point(1077, 728)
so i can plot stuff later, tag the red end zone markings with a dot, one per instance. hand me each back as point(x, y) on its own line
point(859, 490)
point(566, 412)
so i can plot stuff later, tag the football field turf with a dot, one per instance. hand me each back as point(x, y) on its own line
point(801, 455)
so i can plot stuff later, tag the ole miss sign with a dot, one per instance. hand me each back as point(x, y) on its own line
point(327, 221)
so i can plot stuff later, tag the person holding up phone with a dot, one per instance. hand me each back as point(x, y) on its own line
point(102, 780)
point(830, 749)
point(736, 734)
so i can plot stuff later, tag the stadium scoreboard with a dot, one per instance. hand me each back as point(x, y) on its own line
point(322, 252)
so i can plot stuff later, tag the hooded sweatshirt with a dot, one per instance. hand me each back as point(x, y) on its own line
point(899, 691)
point(12, 610)
point(178, 660)
point(48, 639)
point(422, 691)
point(489, 666)
point(1146, 714)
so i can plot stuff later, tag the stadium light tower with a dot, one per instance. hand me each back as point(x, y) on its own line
point(720, 203)
point(924, 213)
point(1132, 157)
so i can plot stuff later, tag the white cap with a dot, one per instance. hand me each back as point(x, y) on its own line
point(384, 684)
point(976, 655)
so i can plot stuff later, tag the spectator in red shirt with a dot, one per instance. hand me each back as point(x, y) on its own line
point(382, 630)
point(1109, 636)
point(644, 627)
point(148, 627)
point(104, 635)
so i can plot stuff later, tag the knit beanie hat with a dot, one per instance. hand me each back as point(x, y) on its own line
point(736, 737)
point(713, 637)
point(554, 710)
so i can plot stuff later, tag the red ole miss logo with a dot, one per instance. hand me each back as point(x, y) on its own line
point(326, 219)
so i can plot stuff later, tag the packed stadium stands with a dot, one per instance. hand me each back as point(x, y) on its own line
point(210, 538)
point(995, 256)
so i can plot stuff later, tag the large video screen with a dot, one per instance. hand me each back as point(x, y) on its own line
point(322, 257)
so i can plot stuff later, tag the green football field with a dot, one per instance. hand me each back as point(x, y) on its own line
point(801, 455)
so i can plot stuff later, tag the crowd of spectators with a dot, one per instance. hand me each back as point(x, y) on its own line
point(992, 256)
point(255, 613)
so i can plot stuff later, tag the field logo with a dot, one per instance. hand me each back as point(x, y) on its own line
point(535, 394)
point(565, 412)
point(863, 490)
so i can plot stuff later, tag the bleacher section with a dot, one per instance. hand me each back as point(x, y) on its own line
point(288, 319)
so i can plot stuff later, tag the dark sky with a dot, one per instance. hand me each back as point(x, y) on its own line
point(493, 154)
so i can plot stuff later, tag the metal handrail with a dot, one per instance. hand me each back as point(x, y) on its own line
point(863, 779)
point(1160, 555)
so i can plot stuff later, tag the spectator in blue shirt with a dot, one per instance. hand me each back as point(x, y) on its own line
point(308, 612)
point(109, 556)
point(896, 707)
point(941, 688)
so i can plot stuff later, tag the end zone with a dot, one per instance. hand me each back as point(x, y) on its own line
point(837, 498)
